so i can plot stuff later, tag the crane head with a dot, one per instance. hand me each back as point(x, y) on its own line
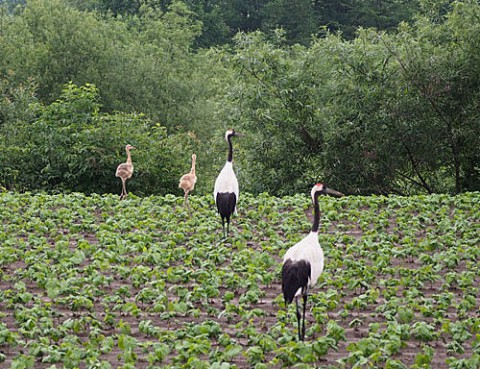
point(130, 147)
point(231, 132)
point(321, 189)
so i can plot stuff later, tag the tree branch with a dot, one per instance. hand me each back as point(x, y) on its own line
point(422, 182)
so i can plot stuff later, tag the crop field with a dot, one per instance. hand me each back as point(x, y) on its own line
point(94, 282)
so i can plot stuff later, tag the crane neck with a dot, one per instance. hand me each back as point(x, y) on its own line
point(230, 149)
point(192, 171)
point(316, 213)
point(129, 157)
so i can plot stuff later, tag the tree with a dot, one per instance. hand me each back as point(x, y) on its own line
point(379, 114)
point(409, 104)
point(272, 104)
point(442, 72)
point(296, 18)
point(114, 7)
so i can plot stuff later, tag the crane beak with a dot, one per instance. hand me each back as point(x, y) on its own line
point(329, 191)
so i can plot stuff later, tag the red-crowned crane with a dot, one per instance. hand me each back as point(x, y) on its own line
point(303, 262)
point(187, 182)
point(125, 171)
point(226, 189)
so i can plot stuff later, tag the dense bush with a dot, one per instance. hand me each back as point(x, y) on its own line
point(72, 146)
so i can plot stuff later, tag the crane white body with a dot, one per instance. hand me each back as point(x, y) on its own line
point(226, 181)
point(309, 250)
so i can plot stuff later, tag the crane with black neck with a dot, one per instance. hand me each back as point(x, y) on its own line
point(303, 263)
point(226, 189)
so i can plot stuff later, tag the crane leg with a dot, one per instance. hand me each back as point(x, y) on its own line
point(124, 191)
point(186, 202)
point(122, 194)
point(223, 227)
point(304, 310)
point(299, 320)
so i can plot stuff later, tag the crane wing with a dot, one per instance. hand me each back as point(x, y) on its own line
point(295, 277)
point(226, 202)
point(226, 182)
point(308, 249)
point(124, 170)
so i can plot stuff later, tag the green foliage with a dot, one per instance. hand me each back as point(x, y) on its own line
point(72, 146)
point(96, 282)
point(274, 113)
point(18, 101)
point(140, 65)
point(367, 111)
point(383, 113)
point(302, 19)
point(52, 36)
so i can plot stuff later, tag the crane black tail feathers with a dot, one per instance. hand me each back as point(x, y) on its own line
point(295, 275)
point(226, 202)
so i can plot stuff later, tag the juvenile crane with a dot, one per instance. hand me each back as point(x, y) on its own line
point(303, 262)
point(125, 171)
point(226, 189)
point(187, 182)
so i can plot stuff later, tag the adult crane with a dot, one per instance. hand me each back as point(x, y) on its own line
point(226, 189)
point(125, 171)
point(303, 263)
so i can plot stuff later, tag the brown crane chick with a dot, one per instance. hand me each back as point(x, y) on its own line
point(125, 171)
point(187, 182)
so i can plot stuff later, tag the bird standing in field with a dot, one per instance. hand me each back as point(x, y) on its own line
point(187, 182)
point(303, 262)
point(125, 171)
point(226, 189)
